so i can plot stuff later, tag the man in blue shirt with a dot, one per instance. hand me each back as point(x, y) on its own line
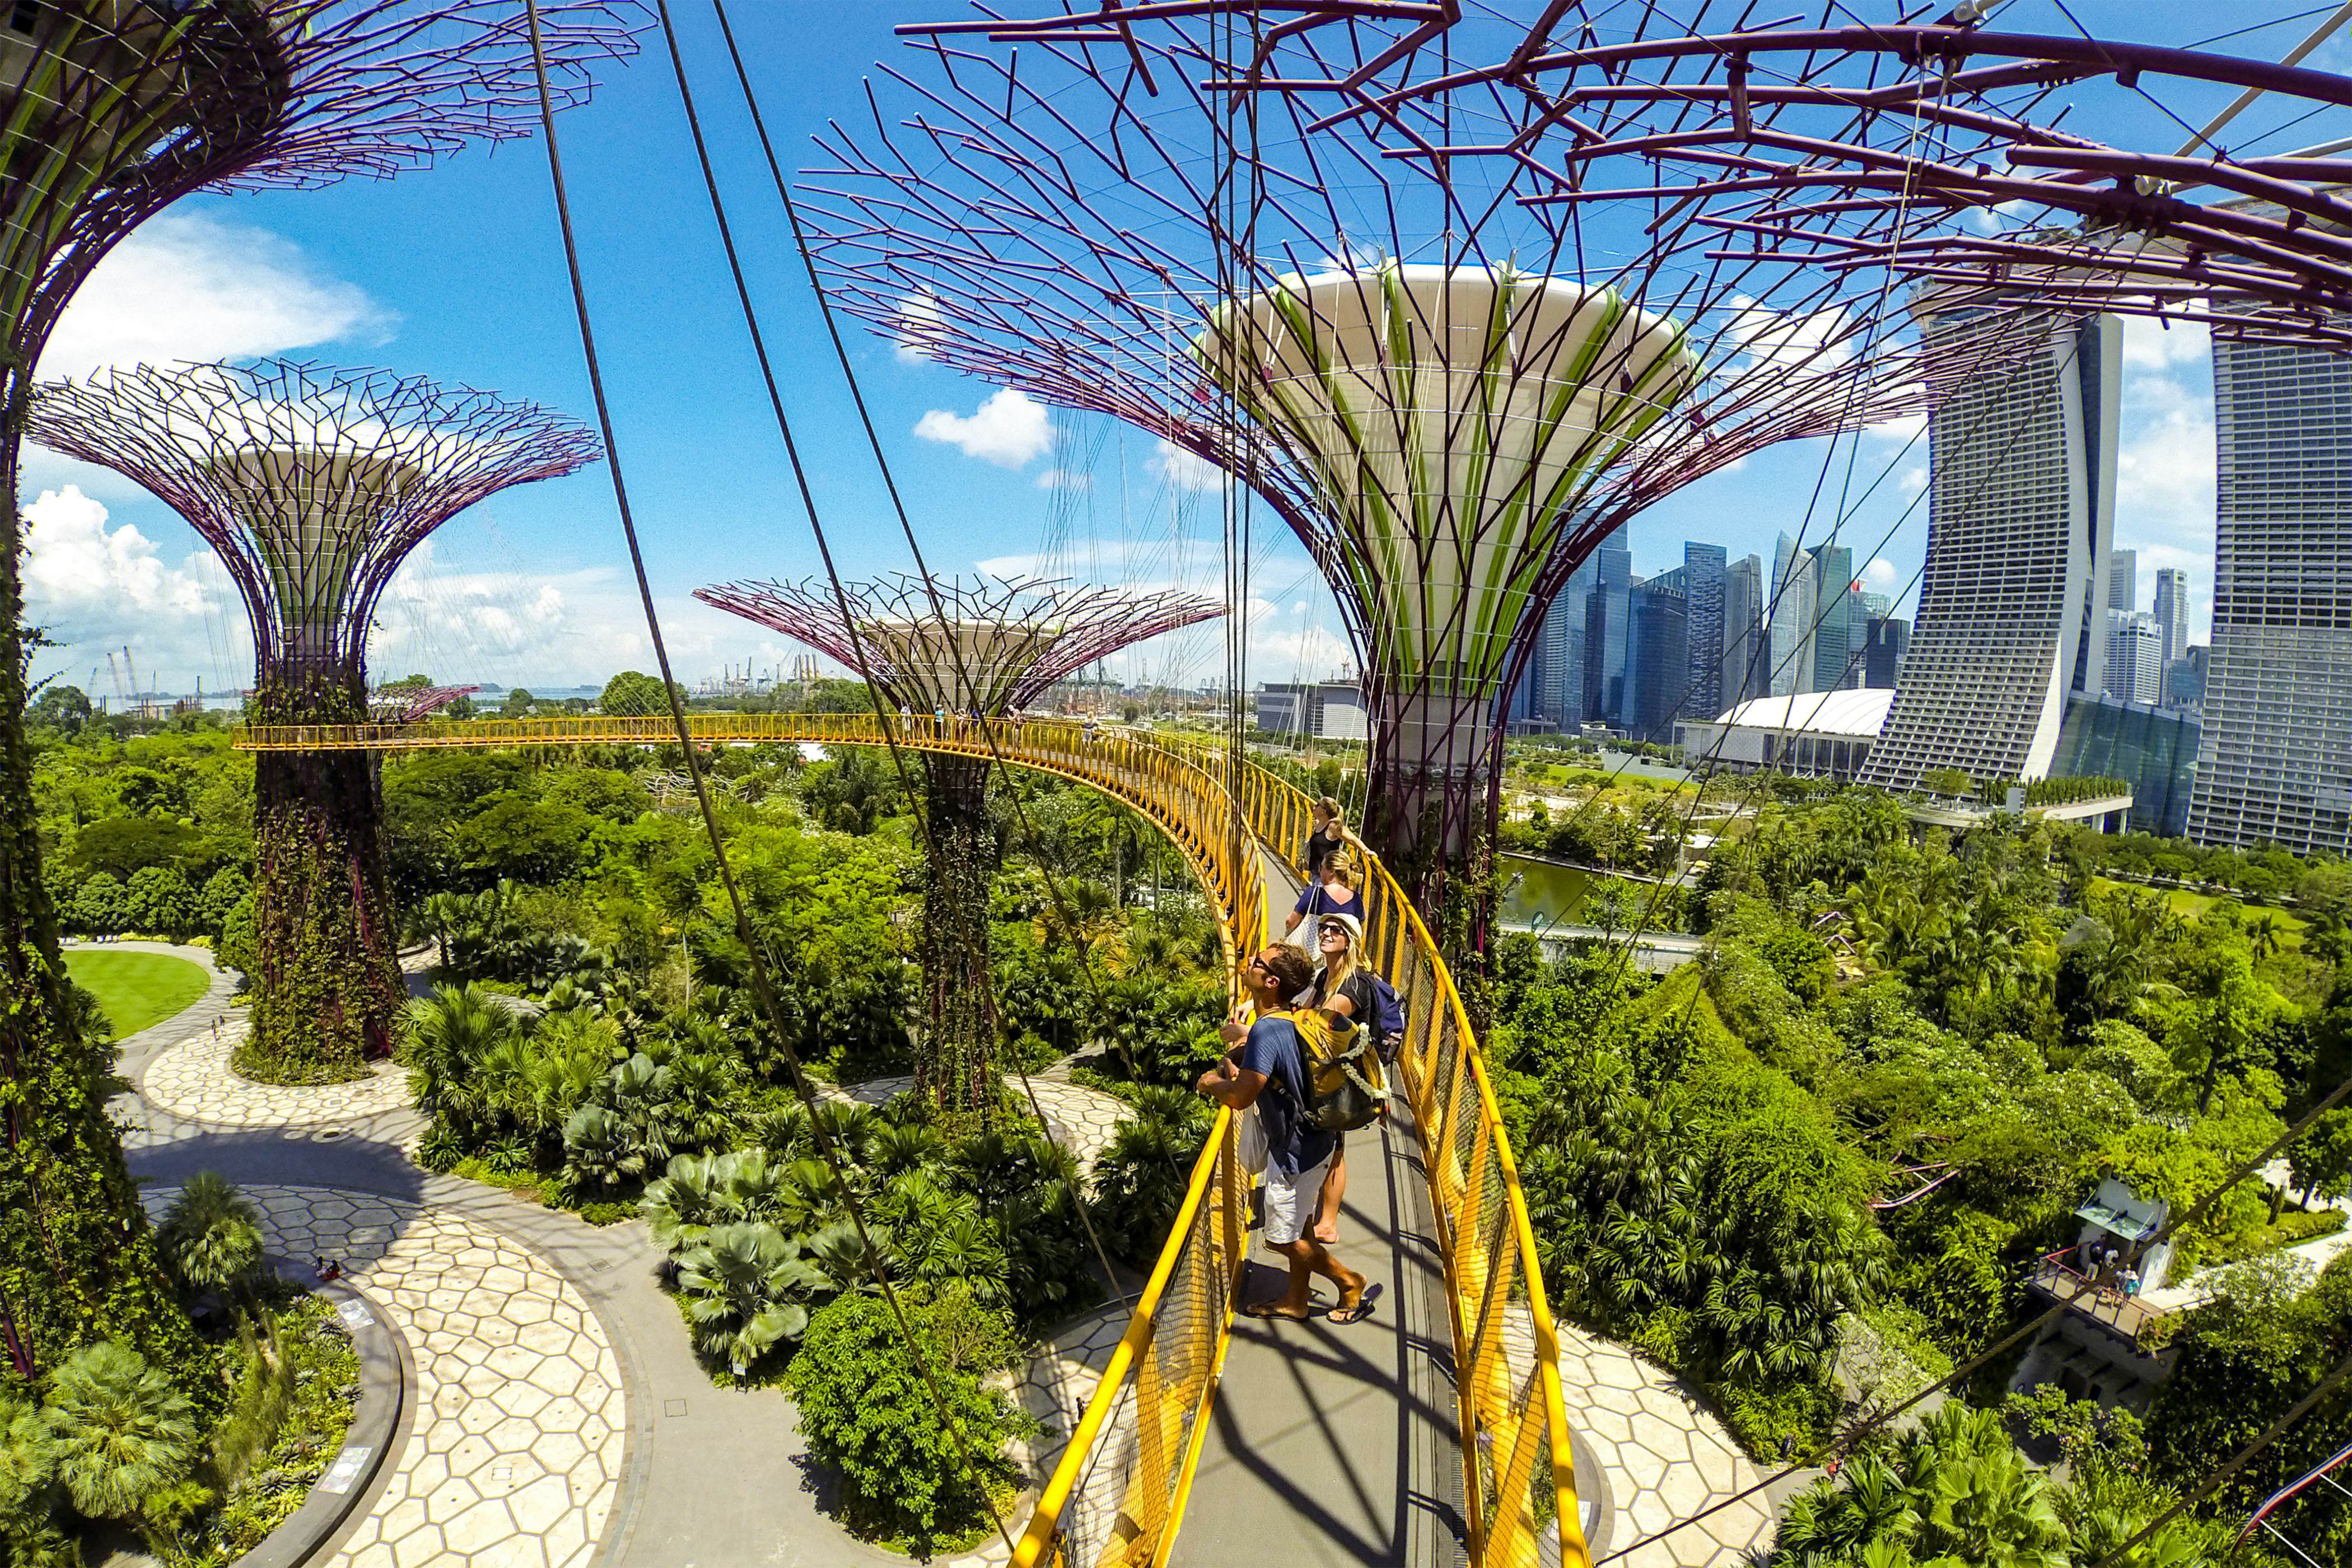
point(1269, 1071)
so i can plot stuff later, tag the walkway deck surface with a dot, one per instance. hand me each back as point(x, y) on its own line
point(1337, 1445)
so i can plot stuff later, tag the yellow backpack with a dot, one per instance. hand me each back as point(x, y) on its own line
point(1347, 1086)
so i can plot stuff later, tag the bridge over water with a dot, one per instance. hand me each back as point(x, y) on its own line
point(1430, 1433)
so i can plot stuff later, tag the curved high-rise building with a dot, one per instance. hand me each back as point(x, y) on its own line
point(2021, 507)
point(2276, 763)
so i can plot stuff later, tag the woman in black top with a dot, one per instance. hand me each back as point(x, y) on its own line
point(1344, 987)
point(1330, 832)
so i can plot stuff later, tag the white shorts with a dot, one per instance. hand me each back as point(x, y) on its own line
point(1289, 1202)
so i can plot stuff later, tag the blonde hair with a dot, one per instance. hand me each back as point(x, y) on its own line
point(1336, 971)
point(1329, 806)
point(1341, 866)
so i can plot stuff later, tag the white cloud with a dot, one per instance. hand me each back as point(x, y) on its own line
point(1915, 480)
point(920, 327)
point(1011, 429)
point(2158, 345)
point(187, 286)
point(1065, 480)
point(95, 589)
point(1880, 576)
point(1183, 469)
point(2165, 468)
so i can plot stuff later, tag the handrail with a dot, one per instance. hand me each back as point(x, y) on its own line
point(1147, 1417)
point(1486, 1236)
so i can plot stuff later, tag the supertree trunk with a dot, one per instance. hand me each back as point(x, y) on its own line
point(78, 1261)
point(955, 1069)
point(1433, 801)
point(329, 989)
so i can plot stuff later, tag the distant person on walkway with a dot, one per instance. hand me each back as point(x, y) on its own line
point(1343, 986)
point(1334, 895)
point(1297, 1155)
point(1330, 832)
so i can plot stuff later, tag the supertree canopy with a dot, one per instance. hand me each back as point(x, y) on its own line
point(115, 109)
point(980, 651)
point(312, 486)
point(1997, 169)
point(1450, 386)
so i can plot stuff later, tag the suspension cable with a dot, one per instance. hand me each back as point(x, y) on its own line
point(967, 685)
point(876, 1264)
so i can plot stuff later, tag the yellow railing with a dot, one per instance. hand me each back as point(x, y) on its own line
point(1119, 1492)
point(1514, 1424)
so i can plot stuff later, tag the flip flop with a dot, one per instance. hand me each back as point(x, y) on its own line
point(1265, 1312)
point(1357, 1311)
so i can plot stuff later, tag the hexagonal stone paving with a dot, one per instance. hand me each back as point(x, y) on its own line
point(193, 1081)
point(1666, 1456)
point(1083, 1119)
point(520, 1422)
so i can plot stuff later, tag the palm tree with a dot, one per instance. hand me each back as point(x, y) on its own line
point(124, 1436)
point(449, 1035)
point(2264, 936)
point(211, 1235)
point(745, 1286)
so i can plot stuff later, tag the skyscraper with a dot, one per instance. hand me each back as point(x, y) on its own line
point(2122, 580)
point(1791, 610)
point(2172, 612)
point(1703, 575)
point(1745, 672)
point(1657, 656)
point(1606, 611)
point(1834, 609)
point(2134, 669)
point(2021, 507)
point(2274, 765)
point(1883, 658)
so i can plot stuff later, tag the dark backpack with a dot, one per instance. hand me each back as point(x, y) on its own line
point(1387, 1018)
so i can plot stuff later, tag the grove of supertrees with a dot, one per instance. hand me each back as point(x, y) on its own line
point(980, 651)
point(1450, 381)
point(311, 486)
point(114, 109)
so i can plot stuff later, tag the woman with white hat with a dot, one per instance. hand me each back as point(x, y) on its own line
point(1344, 987)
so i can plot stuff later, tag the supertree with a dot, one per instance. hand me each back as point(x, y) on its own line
point(114, 109)
point(1451, 394)
point(980, 650)
point(312, 486)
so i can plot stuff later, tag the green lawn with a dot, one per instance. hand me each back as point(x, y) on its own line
point(2290, 926)
point(136, 989)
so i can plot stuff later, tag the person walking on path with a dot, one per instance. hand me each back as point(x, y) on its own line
point(1297, 1155)
point(1343, 986)
point(1330, 833)
point(1335, 894)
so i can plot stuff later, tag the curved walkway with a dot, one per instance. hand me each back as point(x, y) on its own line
point(1081, 1119)
point(514, 1450)
point(194, 1081)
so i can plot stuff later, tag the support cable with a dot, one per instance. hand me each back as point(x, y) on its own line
point(955, 647)
point(877, 1267)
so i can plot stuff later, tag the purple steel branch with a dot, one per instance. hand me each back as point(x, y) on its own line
point(312, 485)
point(990, 648)
point(1908, 145)
point(119, 110)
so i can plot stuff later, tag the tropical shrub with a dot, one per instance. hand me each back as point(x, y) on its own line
point(1142, 1177)
point(870, 1417)
point(125, 1440)
point(211, 1235)
point(746, 1289)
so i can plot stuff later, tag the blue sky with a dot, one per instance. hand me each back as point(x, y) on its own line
point(456, 272)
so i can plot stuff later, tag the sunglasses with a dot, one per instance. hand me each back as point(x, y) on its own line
point(1334, 930)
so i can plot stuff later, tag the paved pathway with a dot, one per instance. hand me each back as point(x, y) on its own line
point(194, 1081)
point(514, 1452)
